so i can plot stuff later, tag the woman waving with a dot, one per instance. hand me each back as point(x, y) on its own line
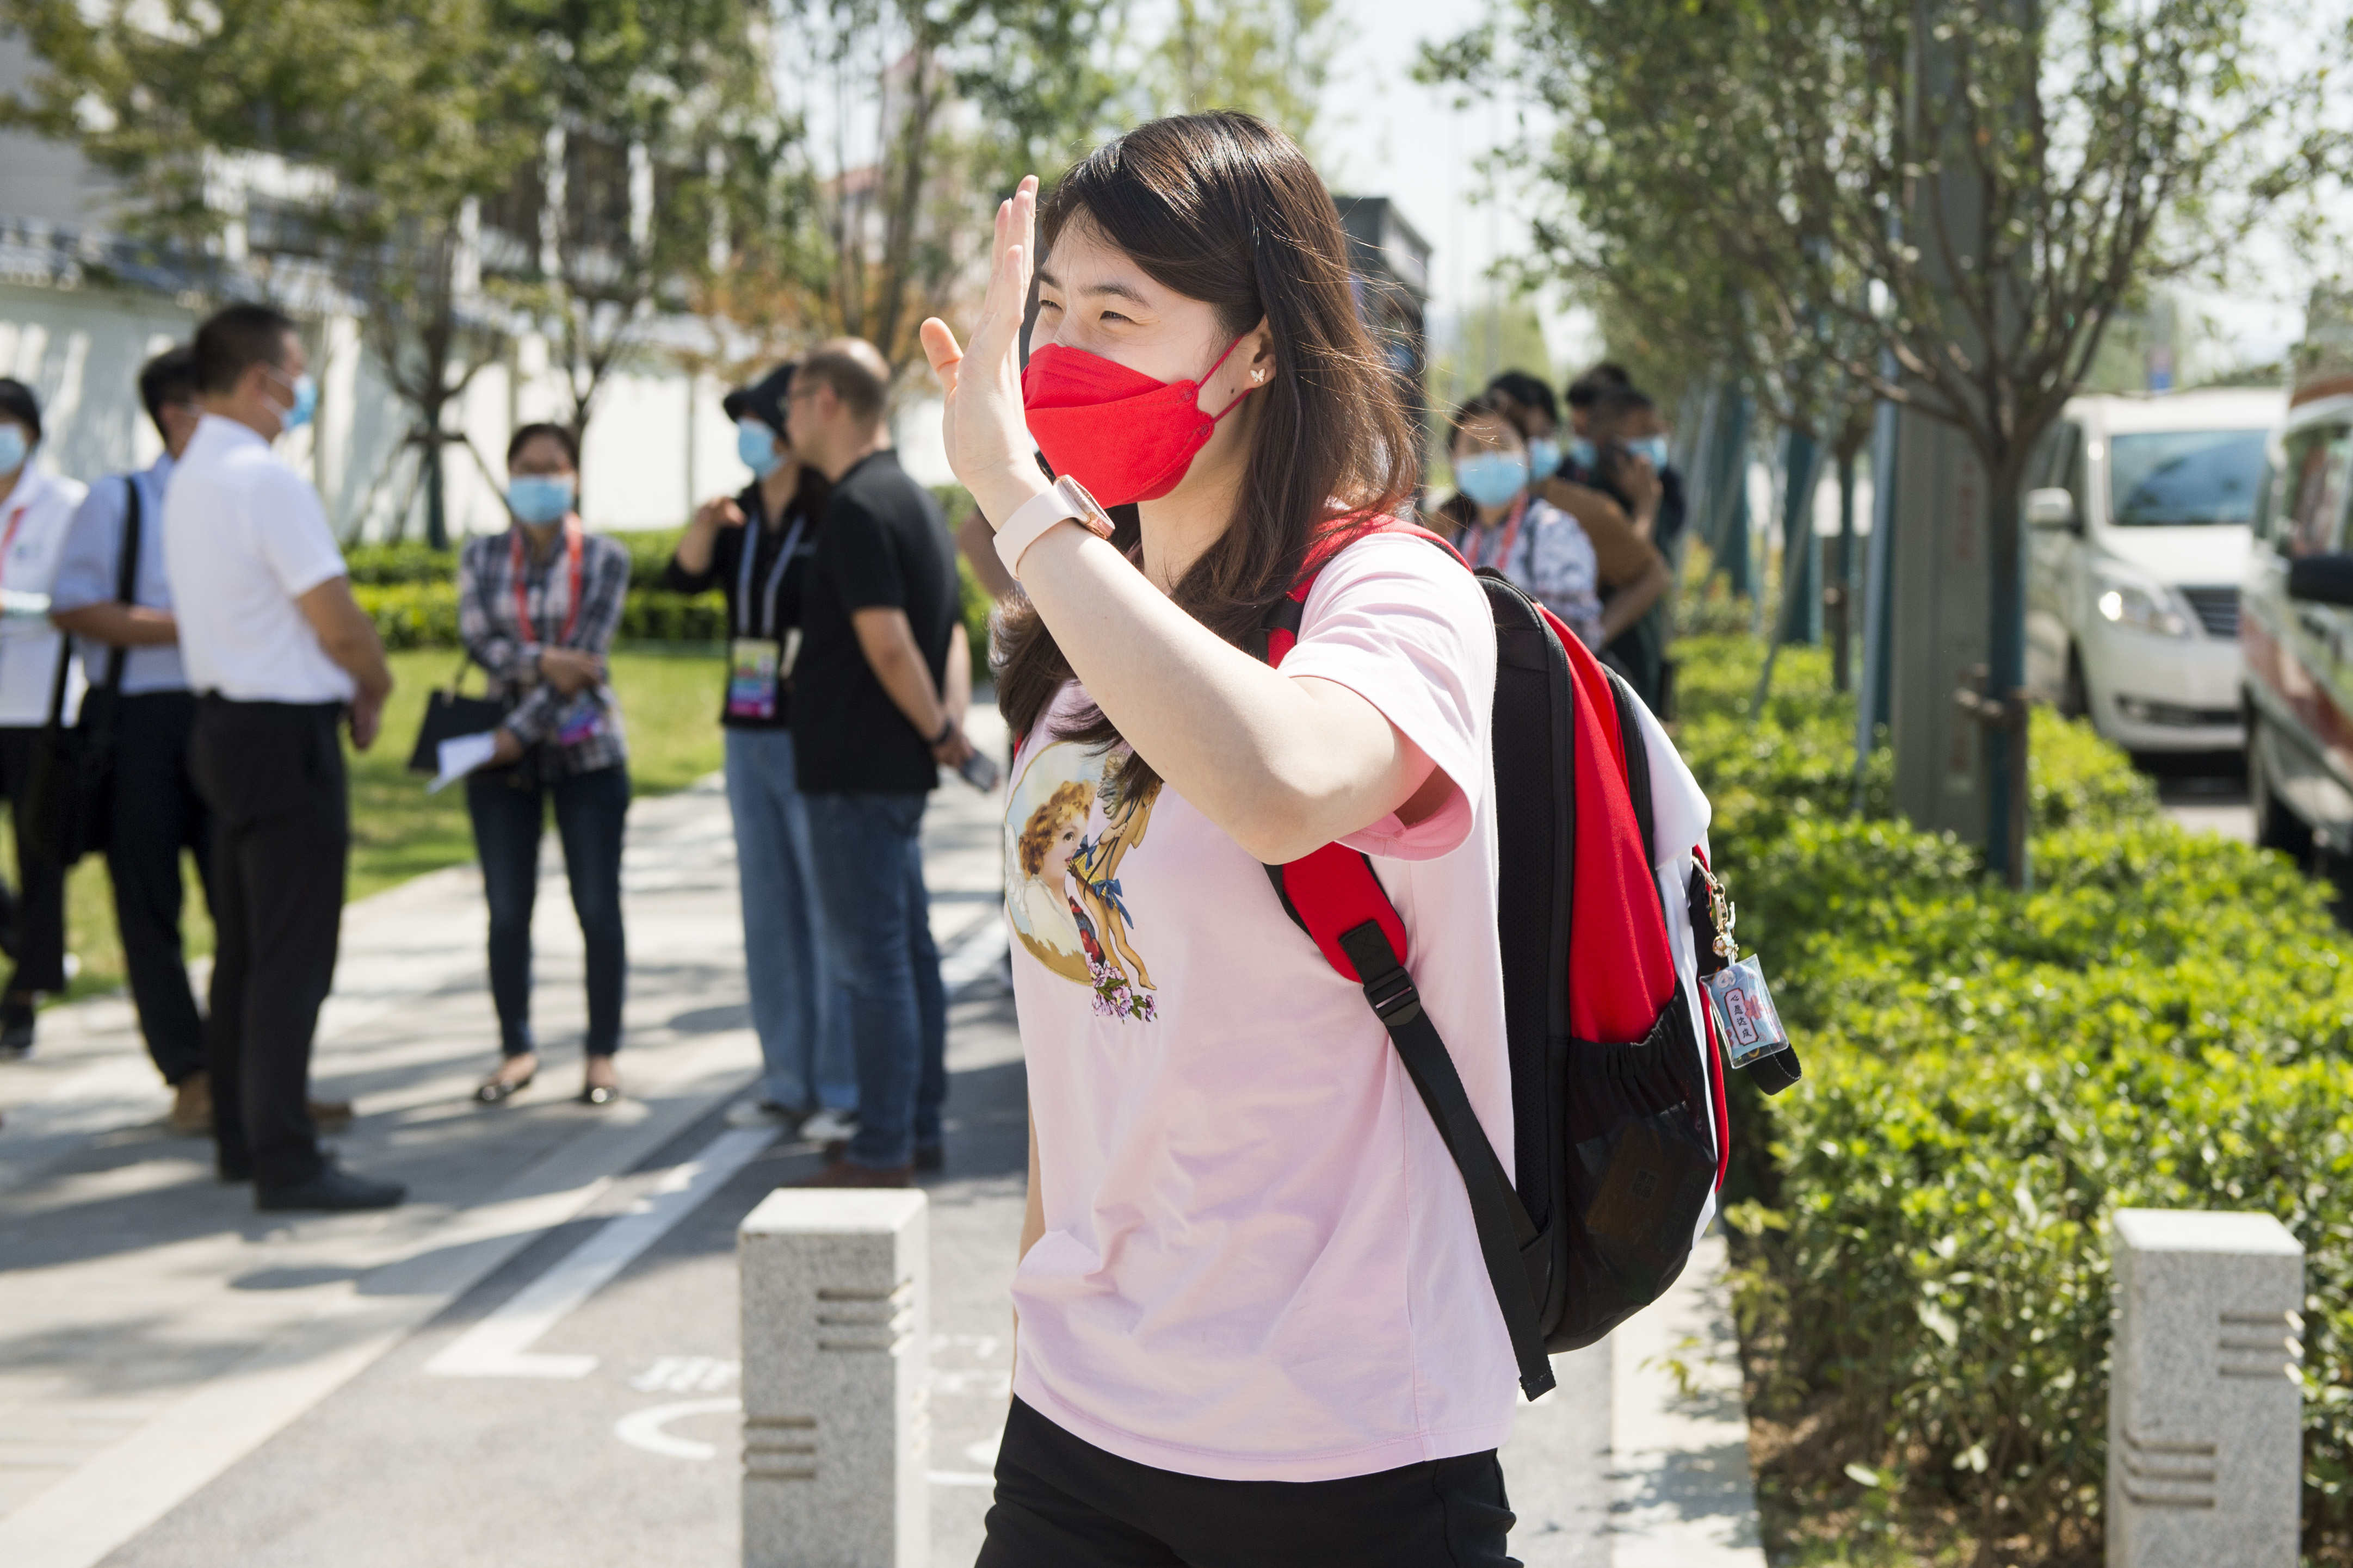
point(1247, 1255)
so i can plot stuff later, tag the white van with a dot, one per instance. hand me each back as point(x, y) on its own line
point(2139, 516)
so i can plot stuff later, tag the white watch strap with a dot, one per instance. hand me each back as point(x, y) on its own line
point(1030, 522)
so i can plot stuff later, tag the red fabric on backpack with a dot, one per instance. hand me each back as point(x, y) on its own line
point(1621, 972)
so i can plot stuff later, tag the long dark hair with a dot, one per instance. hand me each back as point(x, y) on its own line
point(1224, 209)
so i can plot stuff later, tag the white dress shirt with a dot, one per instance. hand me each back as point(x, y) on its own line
point(90, 572)
point(34, 521)
point(244, 537)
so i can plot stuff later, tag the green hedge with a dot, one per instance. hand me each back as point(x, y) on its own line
point(411, 592)
point(2163, 1022)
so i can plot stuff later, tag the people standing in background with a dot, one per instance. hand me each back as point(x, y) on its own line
point(35, 513)
point(756, 548)
point(1629, 466)
point(279, 655)
point(537, 607)
point(1498, 520)
point(1581, 394)
point(1634, 574)
point(878, 699)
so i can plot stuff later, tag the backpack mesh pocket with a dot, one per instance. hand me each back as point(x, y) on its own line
point(1640, 1166)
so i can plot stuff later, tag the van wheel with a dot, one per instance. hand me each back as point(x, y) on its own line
point(2073, 702)
point(2276, 827)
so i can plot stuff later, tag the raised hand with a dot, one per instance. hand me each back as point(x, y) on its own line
point(986, 432)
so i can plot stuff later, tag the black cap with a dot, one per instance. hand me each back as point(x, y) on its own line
point(764, 400)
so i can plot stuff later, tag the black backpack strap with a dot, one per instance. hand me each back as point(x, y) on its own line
point(126, 572)
point(1638, 762)
point(1505, 1232)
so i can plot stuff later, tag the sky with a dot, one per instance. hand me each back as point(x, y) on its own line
point(1382, 135)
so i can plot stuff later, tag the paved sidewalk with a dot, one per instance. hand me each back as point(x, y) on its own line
point(534, 1361)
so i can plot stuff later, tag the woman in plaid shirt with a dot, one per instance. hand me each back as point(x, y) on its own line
point(537, 607)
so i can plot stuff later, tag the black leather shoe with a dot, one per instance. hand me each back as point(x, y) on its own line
point(931, 1157)
point(333, 1191)
point(15, 1030)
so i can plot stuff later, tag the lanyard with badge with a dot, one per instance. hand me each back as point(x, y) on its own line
point(1510, 530)
point(591, 718)
point(758, 665)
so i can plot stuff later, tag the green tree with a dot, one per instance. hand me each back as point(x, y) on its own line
point(1270, 58)
point(296, 146)
point(655, 119)
point(1965, 191)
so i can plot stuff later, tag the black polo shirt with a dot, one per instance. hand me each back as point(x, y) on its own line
point(766, 615)
point(882, 544)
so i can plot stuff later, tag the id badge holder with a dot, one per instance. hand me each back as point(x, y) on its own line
point(755, 665)
point(1746, 1019)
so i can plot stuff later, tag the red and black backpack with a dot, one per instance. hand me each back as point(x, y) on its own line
point(1621, 1133)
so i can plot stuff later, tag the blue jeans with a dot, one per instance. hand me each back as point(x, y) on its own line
point(869, 872)
point(508, 820)
point(796, 1009)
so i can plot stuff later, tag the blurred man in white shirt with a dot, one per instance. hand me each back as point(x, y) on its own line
point(278, 655)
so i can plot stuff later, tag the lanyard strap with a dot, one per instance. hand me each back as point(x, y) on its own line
point(767, 624)
point(572, 548)
point(16, 522)
point(1503, 561)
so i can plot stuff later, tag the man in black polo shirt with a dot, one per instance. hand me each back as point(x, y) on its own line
point(878, 696)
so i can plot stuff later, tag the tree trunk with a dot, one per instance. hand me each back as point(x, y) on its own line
point(2007, 799)
point(436, 515)
point(1801, 556)
point(1839, 599)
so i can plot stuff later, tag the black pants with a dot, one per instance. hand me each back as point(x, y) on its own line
point(1064, 1503)
point(272, 775)
point(39, 908)
point(509, 815)
point(154, 814)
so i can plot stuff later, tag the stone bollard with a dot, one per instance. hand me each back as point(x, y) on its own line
point(836, 1298)
point(2205, 1429)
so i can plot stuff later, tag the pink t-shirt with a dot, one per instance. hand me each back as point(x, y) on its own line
point(1258, 1262)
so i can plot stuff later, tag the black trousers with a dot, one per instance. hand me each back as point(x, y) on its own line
point(39, 916)
point(271, 773)
point(1064, 1503)
point(510, 813)
point(155, 813)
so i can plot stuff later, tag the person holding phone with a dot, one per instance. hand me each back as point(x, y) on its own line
point(537, 607)
point(756, 548)
point(1248, 1257)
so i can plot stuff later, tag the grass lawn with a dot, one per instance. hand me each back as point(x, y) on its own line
point(669, 703)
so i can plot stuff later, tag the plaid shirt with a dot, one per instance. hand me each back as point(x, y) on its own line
point(508, 648)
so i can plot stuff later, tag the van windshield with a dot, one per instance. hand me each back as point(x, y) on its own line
point(2183, 479)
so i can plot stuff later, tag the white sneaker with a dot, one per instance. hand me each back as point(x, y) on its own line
point(829, 1127)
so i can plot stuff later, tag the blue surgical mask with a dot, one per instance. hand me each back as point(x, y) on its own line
point(1491, 478)
point(1581, 452)
point(1651, 447)
point(756, 445)
point(539, 498)
point(1544, 457)
point(306, 402)
point(14, 448)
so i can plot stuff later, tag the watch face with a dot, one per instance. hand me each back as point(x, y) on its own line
point(1092, 516)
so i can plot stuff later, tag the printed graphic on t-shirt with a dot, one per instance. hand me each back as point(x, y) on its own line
point(1067, 825)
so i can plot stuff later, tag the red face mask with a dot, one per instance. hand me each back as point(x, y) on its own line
point(1122, 434)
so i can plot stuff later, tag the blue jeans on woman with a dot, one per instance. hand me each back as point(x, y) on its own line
point(877, 919)
point(509, 817)
point(797, 1010)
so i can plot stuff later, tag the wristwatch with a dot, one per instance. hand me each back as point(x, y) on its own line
point(1065, 500)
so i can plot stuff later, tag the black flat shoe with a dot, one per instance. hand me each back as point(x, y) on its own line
point(333, 1191)
point(598, 1094)
point(493, 1090)
point(931, 1157)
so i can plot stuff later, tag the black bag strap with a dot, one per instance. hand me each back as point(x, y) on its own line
point(126, 572)
point(1505, 1232)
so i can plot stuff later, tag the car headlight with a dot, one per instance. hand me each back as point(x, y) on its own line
point(2129, 601)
